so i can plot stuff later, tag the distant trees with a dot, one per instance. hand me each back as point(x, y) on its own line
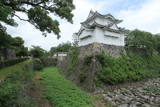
point(143, 40)
point(38, 13)
point(5, 39)
point(16, 44)
point(64, 47)
point(157, 38)
point(38, 52)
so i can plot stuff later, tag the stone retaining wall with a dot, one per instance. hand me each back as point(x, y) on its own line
point(84, 74)
point(96, 48)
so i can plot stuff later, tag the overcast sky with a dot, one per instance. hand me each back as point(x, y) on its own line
point(141, 14)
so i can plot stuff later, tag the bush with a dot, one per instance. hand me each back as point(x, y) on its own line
point(14, 89)
point(127, 68)
point(49, 61)
point(7, 63)
point(37, 64)
point(73, 56)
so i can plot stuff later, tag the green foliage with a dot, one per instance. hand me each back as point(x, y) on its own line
point(61, 92)
point(8, 94)
point(7, 63)
point(139, 40)
point(5, 39)
point(18, 67)
point(6, 14)
point(87, 60)
point(37, 64)
point(38, 13)
point(82, 77)
point(21, 51)
point(13, 90)
point(157, 38)
point(16, 44)
point(153, 90)
point(64, 47)
point(127, 68)
point(37, 52)
point(49, 61)
point(73, 56)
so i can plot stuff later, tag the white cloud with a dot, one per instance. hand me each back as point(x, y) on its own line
point(33, 36)
point(147, 17)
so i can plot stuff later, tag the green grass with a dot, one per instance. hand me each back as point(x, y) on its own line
point(127, 68)
point(18, 67)
point(14, 90)
point(61, 92)
point(153, 90)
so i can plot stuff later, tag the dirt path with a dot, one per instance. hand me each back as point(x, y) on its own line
point(36, 93)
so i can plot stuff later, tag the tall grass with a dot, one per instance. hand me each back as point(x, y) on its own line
point(128, 68)
point(18, 67)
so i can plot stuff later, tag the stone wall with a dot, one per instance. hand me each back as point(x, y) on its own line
point(96, 48)
point(7, 54)
point(84, 74)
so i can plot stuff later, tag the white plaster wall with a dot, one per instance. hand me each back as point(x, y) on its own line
point(86, 33)
point(112, 40)
point(98, 36)
point(114, 27)
point(87, 40)
point(102, 21)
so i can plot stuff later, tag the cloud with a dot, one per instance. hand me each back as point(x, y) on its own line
point(147, 17)
point(33, 36)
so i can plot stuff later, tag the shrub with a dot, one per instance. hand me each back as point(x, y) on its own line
point(14, 89)
point(73, 56)
point(7, 63)
point(127, 68)
point(37, 64)
point(49, 61)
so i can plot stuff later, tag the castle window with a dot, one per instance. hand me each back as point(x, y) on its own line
point(86, 37)
point(111, 36)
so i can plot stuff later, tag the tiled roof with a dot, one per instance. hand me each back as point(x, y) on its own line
point(107, 16)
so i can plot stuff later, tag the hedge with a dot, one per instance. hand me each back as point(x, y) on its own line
point(48, 62)
point(127, 68)
point(7, 63)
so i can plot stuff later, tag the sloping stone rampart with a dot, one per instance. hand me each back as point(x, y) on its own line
point(96, 48)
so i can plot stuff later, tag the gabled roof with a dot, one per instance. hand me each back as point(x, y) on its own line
point(93, 15)
point(95, 24)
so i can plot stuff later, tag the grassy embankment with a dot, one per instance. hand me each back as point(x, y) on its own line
point(18, 67)
point(61, 92)
point(128, 68)
point(14, 88)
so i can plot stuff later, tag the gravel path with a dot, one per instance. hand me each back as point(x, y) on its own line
point(147, 95)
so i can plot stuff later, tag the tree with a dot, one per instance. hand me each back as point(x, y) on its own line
point(38, 12)
point(141, 40)
point(5, 40)
point(64, 47)
point(37, 52)
point(22, 51)
point(17, 44)
point(157, 38)
point(8, 42)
